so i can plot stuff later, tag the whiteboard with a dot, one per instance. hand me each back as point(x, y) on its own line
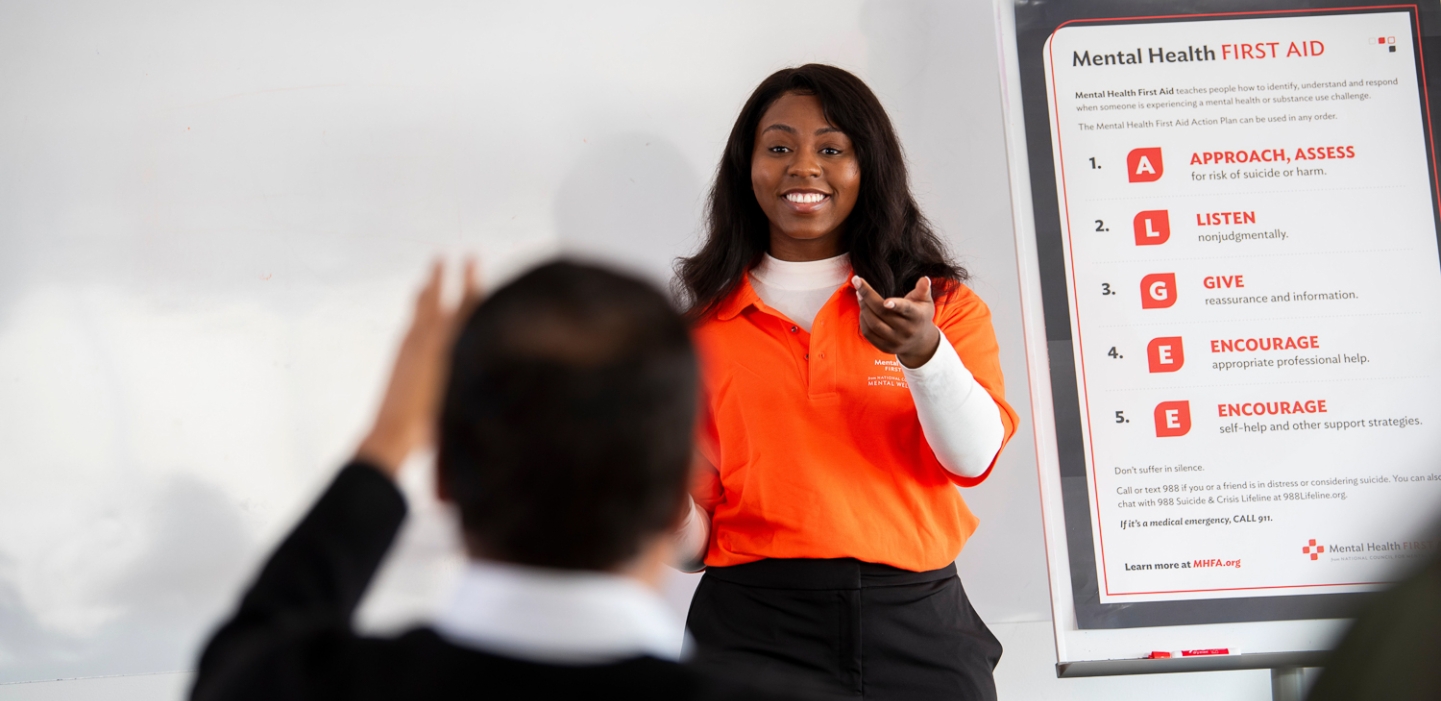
point(212, 221)
point(212, 218)
point(1247, 494)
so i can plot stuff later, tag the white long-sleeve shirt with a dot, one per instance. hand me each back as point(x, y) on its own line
point(959, 419)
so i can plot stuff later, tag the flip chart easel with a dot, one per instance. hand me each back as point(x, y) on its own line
point(1226, 220)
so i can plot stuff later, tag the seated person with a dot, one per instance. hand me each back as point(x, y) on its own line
point(564, 438)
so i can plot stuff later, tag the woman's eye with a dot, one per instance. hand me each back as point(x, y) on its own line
point(831, 151)
point(778, 149)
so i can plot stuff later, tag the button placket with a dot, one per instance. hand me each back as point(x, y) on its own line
point(821, 372)
point(803, 344)
point(800, 341)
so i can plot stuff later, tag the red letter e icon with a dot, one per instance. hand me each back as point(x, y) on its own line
point(1143, 165)
point(1173, 419)
point(1152, 227)
point(1165, 354)
point(1158, 290)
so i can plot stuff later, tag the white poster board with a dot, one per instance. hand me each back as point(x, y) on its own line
point(1227, 233)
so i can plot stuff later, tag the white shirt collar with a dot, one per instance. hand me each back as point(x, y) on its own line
point(779, 274)
point(558, 616)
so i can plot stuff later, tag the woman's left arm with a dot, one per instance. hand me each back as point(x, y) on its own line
point(960, 419)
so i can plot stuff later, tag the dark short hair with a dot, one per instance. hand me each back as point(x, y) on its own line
point(890, 242)
point(566, 431)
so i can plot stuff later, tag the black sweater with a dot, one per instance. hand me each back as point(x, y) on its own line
point(291, 637)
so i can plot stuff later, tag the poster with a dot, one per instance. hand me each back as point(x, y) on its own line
point(1247, 218)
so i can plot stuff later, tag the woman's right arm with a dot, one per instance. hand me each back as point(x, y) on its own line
point(692, 539)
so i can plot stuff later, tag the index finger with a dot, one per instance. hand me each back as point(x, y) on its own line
point(429, 298)
point(906, 308)
point(470, 293)
point(868, 296)
point(889, 308)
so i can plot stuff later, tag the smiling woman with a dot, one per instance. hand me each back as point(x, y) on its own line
point(805, 175)
point(844, 402)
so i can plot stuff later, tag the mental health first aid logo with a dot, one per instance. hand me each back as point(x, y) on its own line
point(1143, 165)
point(1312, 549)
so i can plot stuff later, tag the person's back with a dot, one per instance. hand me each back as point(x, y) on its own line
point(564, 440)
point(1392, 649)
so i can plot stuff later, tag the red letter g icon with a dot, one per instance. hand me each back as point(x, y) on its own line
point(1158, 290)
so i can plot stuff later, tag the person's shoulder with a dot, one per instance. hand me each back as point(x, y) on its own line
point(730, 305)
point(709, 323)
point(1391, 649)
point(956, 301)
point(720, 331)
point(954, 292)
point(432, 664)
point(422, 664)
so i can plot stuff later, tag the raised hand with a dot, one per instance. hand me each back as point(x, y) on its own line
point(408, 414)
point(900, 325)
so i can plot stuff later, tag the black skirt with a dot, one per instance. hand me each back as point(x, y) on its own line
point(843, 629)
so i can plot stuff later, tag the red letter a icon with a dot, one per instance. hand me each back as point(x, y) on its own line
point(1143, 165)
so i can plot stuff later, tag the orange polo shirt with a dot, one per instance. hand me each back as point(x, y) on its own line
point(814, 436)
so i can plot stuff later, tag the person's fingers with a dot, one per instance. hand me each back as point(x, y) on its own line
point(878, 332)
point(470, 295)
point(921, 294)
point(881, 324)
point(895, 311)
point(870, 335)
point(435, 282)
point(917, 305)
point(905, 311)
point(428, 301)
point(868, 297)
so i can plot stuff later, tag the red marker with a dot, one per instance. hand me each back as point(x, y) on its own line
point(1206, 651)
point(1158, 655)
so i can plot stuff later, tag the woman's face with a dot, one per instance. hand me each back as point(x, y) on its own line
point(805, 176)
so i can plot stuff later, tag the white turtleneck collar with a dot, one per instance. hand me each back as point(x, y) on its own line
point(798, 289)
point(803, 275)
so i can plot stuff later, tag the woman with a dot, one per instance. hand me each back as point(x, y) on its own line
point(851, 381)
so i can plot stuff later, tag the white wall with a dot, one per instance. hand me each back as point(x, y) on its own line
point(212, 215)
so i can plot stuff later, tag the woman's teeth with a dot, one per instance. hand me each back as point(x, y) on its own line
point(805, 197)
